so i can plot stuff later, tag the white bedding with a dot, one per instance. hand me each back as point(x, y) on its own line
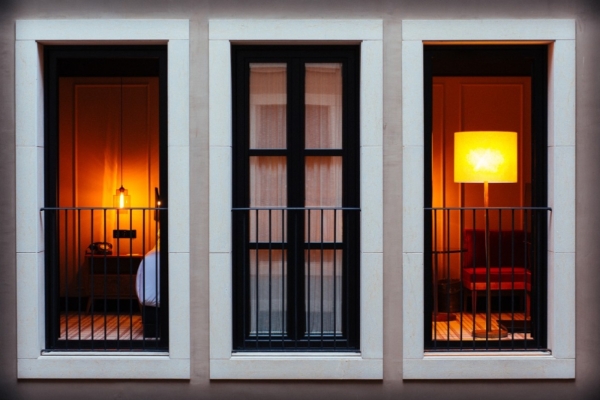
point(147, 284)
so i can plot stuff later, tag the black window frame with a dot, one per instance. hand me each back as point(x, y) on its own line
point(493, 60)
point(295, 57)
point(100, 61)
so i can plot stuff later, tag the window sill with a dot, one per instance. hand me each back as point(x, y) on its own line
point(480, 365)
point(305, 366)
point(103, 366)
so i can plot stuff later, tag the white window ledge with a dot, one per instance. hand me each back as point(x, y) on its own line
point(560, 34)
point(305, 366)
point(29, 94)
point(224, 364)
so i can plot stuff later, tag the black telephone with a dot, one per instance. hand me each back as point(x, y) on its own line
point(102, 248)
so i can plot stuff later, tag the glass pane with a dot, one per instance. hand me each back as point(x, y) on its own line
point(323, 106)
point(268, 188)
point(323, 189)
point(268, 271)
point(323, 287)
point(268, 99)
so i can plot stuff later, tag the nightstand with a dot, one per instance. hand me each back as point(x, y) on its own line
point(111, 276)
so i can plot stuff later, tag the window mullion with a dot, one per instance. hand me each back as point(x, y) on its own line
point(295, 185)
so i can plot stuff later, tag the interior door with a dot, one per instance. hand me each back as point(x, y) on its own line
point(471, 104)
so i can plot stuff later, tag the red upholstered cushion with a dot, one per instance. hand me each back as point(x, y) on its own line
point(503, 278)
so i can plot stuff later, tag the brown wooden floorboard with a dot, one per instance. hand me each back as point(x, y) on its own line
point(451, 330)
point(123, 327)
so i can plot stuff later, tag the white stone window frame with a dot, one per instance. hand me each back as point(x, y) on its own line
point(31, 36)
point(368, 364)
point(560, 361)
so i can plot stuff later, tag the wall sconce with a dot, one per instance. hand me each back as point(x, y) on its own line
point(484, 157)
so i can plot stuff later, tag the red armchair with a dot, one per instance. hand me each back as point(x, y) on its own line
point(509, 264)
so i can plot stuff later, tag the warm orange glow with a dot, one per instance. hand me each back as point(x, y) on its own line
point(121, 199)
point(485, 156)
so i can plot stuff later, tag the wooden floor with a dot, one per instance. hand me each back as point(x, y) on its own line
point(129, 327)
point(443, 330)
point(123, 327)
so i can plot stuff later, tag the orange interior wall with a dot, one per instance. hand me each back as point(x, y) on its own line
point(90, 162)
point(468, 104)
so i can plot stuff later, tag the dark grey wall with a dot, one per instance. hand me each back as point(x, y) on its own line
point(587, 14)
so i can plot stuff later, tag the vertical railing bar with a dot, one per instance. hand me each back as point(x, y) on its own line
point(256, 258)
point(157, 315)
point(335, 278)
point(270, 283)
point(525, 278)
point(118, 257)
point(499, 275)
point(512, 288)
point(474, 277)
point(143, 302)
point(92, 275)
point(244, 271)
point(131, 280)
point(488, 291)
point(283, 279)
point(346, 216)
point(322, 281)
point(434, 255)
point(537, 272)
point(296, 267)
point(537, 275)
point(105, 273)
point(79, 275)
point(256, 279)
point(448, 278)
point(66, 278)
point(157, 319)
point(461, 290)
point(308, 313)
point(56, 280)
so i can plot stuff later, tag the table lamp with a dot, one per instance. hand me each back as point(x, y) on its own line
point(486, 157)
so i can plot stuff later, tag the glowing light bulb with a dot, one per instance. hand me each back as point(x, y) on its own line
point(121, 199)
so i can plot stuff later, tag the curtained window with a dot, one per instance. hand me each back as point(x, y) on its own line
point(296, 206)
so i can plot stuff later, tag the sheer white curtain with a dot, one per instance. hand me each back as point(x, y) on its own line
point(268, 188)
point(323, 189)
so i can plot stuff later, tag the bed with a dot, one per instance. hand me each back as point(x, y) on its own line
point(147, 287)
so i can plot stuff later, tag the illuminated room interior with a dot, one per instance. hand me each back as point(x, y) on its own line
point(476, 104)
point(108, 139)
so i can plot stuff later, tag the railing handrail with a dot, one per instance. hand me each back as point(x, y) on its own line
point(294, 208)
point(486, 208)
point(103, 208)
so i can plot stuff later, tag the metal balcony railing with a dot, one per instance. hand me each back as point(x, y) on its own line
point(296, 278)
point(103, 269)
point(486, 279)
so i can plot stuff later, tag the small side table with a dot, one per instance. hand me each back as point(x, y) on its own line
point(111, 276)
point(437, 316)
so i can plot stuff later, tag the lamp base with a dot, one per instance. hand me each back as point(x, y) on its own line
point(491, 334)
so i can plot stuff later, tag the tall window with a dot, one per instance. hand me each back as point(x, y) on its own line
point(486, 264)
point(106, 264)
point(295, 198)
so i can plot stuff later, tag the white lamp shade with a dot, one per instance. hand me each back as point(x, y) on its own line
point(485, 156)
